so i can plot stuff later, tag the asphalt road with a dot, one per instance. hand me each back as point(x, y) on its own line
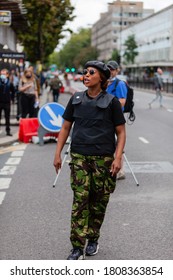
point(35, 217)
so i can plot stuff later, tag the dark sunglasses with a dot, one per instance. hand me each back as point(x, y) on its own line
point(91, 72)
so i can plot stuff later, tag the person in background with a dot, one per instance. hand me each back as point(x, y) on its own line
point(95, 156)
point(14, 78)
point(158, 85)
point(37, 80)
point(67, 82)
point(42, 79)
point(119, 91)
point(6, 97)
point(29, 94)
point(55, 85)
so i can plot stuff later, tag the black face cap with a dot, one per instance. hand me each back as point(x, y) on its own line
point(100, 66)
point(112, 64)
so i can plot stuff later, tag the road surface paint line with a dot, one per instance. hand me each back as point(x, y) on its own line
point(13, 161)
point(13, 148)
point(2, 196)
point(170, 110)
point(17, 154)
point(144, 140)
point(149, 167)
point(21, 147)
point(8, 170)
point(4, 183)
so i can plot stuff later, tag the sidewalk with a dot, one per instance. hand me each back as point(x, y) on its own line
point(44, 98)
point(14, 126)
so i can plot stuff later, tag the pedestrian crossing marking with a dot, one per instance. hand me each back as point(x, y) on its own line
point(2, 196)
point(17, 154)
point(149, 167)
point(13, 161)
point(4, 183)
point(12, 148)
point(8, 170)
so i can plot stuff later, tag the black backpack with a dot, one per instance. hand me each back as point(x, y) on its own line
point(128, 107)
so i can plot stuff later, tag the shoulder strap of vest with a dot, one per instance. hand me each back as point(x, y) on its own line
point(77, 97)
point(105, 100)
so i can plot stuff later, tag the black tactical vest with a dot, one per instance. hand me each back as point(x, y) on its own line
point(94, 130)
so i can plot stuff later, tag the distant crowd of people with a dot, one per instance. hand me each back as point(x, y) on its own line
point(25, 89)
point(22, 88)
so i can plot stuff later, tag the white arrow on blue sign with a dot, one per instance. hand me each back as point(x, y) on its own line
point(50, 116)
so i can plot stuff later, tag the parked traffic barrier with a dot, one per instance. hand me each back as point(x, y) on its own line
point(28, 127)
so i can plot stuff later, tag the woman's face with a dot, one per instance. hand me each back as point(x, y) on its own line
point(28, 74)
point(91, 77)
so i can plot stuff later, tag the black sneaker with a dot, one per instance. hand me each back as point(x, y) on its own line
point(9, 134)
point(76, 254)
point(92, 248)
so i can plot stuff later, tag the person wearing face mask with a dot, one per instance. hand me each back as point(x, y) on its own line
point(96, 118)
point(29, 94)
point(119, 91)
point(6, 96)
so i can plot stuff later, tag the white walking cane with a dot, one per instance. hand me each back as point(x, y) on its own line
point(131, 169)
point(66, 153)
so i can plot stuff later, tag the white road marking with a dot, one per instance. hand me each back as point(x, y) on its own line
point(4, 183)
point(8, 170)
point(13, 148)
point(150, 167)
point(144, 140)
point(170, 110)
point(2, 196)
point(17, 154)
point(13, 161)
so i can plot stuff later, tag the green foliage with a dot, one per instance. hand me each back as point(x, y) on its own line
point(115, 55)
point(130, 50)
point(76, 51)
point(46, 19)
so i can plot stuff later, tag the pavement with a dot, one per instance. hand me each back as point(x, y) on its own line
point(14, 123)
point(8, 140)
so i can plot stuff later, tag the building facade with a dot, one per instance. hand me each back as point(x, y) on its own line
point(107, 30)
point(8, 31)
point(154, 37)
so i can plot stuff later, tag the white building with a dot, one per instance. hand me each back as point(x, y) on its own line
point(154, 37)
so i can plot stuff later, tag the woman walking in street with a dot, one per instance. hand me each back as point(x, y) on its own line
point(96, 156)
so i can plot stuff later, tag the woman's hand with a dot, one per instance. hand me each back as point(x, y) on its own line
point(116, 166)
point(57, 163)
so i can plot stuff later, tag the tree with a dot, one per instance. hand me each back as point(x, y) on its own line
point(130, 50)
point(76, 51)
point(116, 56)
point(46, 20)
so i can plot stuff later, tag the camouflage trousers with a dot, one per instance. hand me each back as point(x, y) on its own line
point(92, 184)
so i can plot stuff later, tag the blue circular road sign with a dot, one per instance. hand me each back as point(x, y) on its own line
point(50, 116)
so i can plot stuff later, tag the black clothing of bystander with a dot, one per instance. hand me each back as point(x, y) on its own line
point(6, 96)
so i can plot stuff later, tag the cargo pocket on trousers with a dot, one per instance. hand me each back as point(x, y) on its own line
point(110, 183)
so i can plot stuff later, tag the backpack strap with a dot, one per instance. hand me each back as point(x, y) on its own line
point(116, 84)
